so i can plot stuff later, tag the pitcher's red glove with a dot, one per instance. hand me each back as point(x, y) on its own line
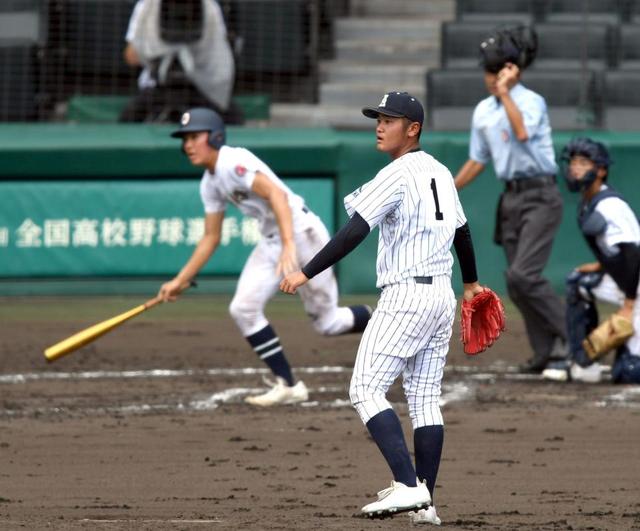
point(481, 321)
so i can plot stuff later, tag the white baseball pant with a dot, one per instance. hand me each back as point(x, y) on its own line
point(258, 283)
point(408, 334)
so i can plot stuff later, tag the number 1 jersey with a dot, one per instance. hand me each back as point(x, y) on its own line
point(415, 203)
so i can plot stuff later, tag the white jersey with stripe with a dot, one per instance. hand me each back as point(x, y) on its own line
point(622, 224)
point(231, 182)
point(415, 203)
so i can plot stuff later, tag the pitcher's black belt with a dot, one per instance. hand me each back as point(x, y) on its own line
point(417, 280)
point(528, 183)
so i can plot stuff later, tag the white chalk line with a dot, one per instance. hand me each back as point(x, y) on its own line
point(21, 378)
point(457, 392)
point(155, 373)
point(451, 393)
point(627, 397)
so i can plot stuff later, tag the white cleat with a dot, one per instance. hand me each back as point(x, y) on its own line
point(396, 499)
point(424, 516)
point(590, 374)
point(575, 373)
point(556, 374)
point(280, 393)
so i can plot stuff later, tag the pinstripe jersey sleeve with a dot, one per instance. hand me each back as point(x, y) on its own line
point(376, 198)
point(461, 219)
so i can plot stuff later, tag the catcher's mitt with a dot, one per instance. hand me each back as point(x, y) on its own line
point(481, 321)
point(610, 334)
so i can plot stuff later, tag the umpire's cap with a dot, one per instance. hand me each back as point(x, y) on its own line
point(595, 151)
point(398, 105)
point(202, 119)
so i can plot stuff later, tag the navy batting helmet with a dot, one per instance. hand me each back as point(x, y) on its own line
point(596, 152)
point(202, 119)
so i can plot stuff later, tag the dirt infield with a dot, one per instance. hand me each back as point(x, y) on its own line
point(147, 429)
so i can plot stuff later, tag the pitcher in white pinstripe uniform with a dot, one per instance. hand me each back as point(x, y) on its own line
point(414, 202)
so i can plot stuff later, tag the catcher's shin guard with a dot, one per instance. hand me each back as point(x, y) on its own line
point(581, 313)
point(626, 367)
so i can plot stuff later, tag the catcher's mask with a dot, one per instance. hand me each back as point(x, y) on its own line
point(590, 149)
point(202, 119)
point(516, 45)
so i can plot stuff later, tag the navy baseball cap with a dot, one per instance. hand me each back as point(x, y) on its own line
point(398, 105)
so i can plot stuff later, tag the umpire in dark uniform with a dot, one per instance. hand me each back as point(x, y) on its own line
point(511, 129)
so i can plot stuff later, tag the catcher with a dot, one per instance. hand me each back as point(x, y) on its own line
point(612, 232)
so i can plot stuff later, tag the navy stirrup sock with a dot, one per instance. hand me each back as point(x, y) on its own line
point(267, 346)
point(386, 431)
point(361, 316)
point(427, 442)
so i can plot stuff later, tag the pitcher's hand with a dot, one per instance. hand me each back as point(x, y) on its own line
point(293, 281)
point(471, 290)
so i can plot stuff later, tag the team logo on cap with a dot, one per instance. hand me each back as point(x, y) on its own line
point(383, 103)
point(185, 118)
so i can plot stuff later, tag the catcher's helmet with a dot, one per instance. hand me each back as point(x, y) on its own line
point(202, 119)
point(516, 45)
point(596, 152)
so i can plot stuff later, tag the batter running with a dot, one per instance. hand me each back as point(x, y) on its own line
point(414, 202)
point(291, 233)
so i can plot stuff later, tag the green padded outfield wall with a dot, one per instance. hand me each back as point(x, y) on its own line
point(124, 228)
point(117, 156)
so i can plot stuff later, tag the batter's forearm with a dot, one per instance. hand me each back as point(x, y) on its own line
point(282, 211)
point(199, 258)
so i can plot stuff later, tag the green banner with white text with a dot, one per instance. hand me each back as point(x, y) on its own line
point(119, 228)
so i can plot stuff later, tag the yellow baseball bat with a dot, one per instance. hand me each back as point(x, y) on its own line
point(94, 332)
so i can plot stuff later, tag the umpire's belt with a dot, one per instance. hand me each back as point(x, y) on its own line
point(528, 183)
